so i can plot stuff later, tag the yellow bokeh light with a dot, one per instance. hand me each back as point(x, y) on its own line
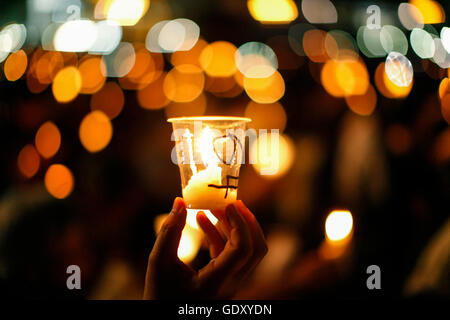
point(431, 11)
point(110, 99)
point(59, 181)
point(272, 155)
point(338, 225)
point(184, 83)
point(92, 78)
point(95, 131)
point(273, 11)
point(67, 84)
point(15, 65)
point(217, 59)
point(48, 139)
point(125, 12)
point(28, 161)
point(265, 90)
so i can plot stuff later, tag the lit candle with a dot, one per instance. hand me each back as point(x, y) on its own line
point(204, 189)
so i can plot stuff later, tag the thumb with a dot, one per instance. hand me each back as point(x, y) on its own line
point(168, 239)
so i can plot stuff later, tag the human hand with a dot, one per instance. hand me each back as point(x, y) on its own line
point(235, 253)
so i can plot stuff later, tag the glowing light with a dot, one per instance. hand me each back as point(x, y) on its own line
point(314, 45)
point(266, 116)
point(445, 38)
point(441, 57)
point(28, 161)
point(319, 11)
point(256, 60)
point(399, 69)
point(12, 38)
point(75, 36)
point(191, 56)
point(444, 87)
point(386, 87)
point(410, 16)
point(295, 37)
point(120, 62)
point(369, 42)
point(95, 131)
point(152, 96)
point(48, 65)
point(92, 78)
point(217, 59)
point(191, 237)
point(184, 83)
point(441, 148)
point(109, 34)
point(338, 225)
point(15, 65)
point(345, 78)
point(125, 12)
point(393, 39)
point(422, 43)
point(273, 11)
point(178, 35)
point(219, 85)
point(340, 45)
point(272, 161)
point(431, 11)
point(48, 139)
point(363, 104)
point(59, 181)
point(110, 99)
point(66, 85)
point(265, 90)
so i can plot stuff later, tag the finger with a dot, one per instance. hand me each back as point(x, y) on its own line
point(235, 254)
point(168, 239)
point(222, 222)
point(214, 238)
point(258, 240)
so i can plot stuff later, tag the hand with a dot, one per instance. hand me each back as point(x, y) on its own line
point(233, 258)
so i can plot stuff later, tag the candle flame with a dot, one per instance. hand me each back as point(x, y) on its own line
point(206, 146)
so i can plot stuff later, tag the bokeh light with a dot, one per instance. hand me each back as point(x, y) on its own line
point(184, 83)
point(119, 62)
point(125, 12)
point(410, 16)
point(48, 139)
point(108, 36)
point(319, 11)
point(109, 99)
point(59, 181)
point(12, 38)
point(272, 161)
point(191, 56)
point(387, 88)
point(28, 161)
point(273, 11)
point(393, 39)
point(75, 36)
point(92, 78)
point(48, 65)
point(256, 60)
point(314, 45)
point(265, 90)
point(196, 107)
point(66, 85)
point(445, 107)
point(217, 59)
point(15, 65)
point(95, 131)
point(399, 69)
point(422, 43)
point(152, 96)
point(430, 10)
point(363, 104)
point(338, 225)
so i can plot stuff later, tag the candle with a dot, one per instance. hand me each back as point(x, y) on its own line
point(204, 189)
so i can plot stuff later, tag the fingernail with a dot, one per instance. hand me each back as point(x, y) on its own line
point(230, 213)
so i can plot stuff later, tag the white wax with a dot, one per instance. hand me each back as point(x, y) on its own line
point(198, 195)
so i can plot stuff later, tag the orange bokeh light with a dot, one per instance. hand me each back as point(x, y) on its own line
point(363, 104)
point(387, 88)
point(15, 65)
point(266, 116)
point(444, 87)
point(265, 90)
point(217, 59)
point(48, 139)
point(152, 96)
point(196, 107)
point(445, 107)
point(48, 66)
point(95, 131)
point(92, 78)
point(314, 45)
point(110, 99)
point(189, 57)
point(28, 161)
point(184, 83)
point(59, 181)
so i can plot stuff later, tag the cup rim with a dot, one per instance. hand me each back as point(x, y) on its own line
point(209, 118)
